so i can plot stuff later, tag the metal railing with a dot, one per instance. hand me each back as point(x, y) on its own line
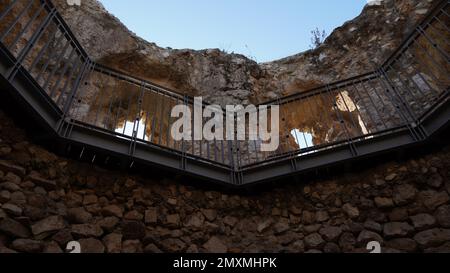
point(397, 96)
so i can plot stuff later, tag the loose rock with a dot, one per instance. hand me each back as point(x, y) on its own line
point(432, 237)
point(87, 230)
point(215, 245)
point(113, 243)
point(314, 241)
point(27, 246)
point(48, 225)
point(113, 210)
point(351, 211)
point(397, 229)
point(443, 216)
point(13, 228)
point(423, 221)
point(79, 216)
point(91, 246)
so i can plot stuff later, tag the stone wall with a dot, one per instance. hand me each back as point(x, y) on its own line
point(47, 201)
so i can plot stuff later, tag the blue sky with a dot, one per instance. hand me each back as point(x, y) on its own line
point(262, 29)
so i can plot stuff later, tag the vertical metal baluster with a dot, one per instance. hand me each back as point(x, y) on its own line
point(403, 102)
point(249, 141)
point(256, 151)
point(257, 142)
point(239, 154)
point(251, 156)
point(245, 152)
point(27, 26)
point(154, 118)
point(109, 118)
point(16, 20)
point(44, 48)
point(31, 42)
point(128, 112)
point(283, 120)
point(147, 113)
point(437, 65)
point(373, 103)
point(176, 143)
point(230, 153)
point(296, 137)
point(280, 139)
point(408, 78)
point(419, 73)
point(119, 108)
point(169, 119)
point(161, 120)
point(201, 140)
point(434, 44)
point(186, 101)
point(436, 31)
point(342, 121)
point(75, 89)
point(208, 154)
point(331, 99)
point(57, 64)
point(269, 110)
point(62, 72)
point(80, 95)
point(444, 12)
point(308, 102)
point(78, 67)
point(8, 9)
point(442, 23)
point(50, 58)
point(349, 112)
point(365, 106)
point(101, 95)
point(322, 114)
point(424, 67)
point(223, 150)
point(183, 141)
point(407, 88)
point(255, 136)
point(397, 108)
point(94, 101)
point(193, 129)
point(138, 115)
point(91, 70)
point(215, 150)
point(233, 162)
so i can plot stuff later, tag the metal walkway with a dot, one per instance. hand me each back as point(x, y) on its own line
point(98, 112)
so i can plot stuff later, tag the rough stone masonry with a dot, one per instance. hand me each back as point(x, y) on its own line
point(47, 201)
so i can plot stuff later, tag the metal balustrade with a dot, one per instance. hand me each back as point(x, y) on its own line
point(95, 107)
